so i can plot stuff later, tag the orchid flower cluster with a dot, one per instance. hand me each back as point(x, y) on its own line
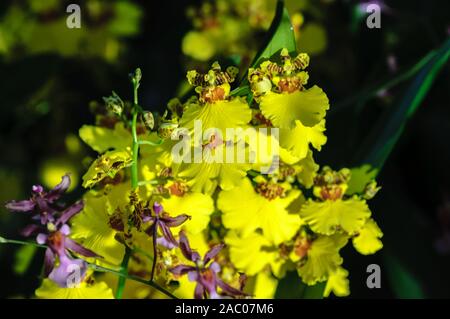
point(234, 28)
point(145, 220)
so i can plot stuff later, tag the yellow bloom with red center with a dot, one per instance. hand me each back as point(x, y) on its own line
point(245, 210)
point(330, 216)
point(318, 258)
point(334, 212)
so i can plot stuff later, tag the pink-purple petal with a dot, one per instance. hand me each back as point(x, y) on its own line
point(20, 206)
point(41, 238)
point(70, 212)
point(199, 291)
point(181, 270)
point(185, 247)
point(30, 230)
point(59, 189)
point(213, 252)
point(77, 248)
point(49, 261)
point(175, 221)
point(167, 234)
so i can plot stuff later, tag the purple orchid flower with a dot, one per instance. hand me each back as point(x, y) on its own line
point(363, 5)
point(43, 204)
point(59, 244)
point(205, 275)
point(52, 230)
point(163, 222)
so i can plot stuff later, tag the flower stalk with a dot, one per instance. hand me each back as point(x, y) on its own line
point(134, 174)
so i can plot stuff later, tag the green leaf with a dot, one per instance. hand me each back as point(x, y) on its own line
point(23, 258)
point(280, 35)
point(291, 287)
point(386, 134)
point(241, 91)
point(403, 282)
point(380, 144)
point(386, 84)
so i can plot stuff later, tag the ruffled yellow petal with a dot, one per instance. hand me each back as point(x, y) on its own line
point(283, 110)
point(329, 216)
point(197, 205)
point(251, 254)
point(322, 259)
point(92, 227)
point(338, 283)
point(297, 140)
point(206, 175)
point(50, 290)
point(244, 210)
point(102, 139)
point(307, 170)
point(221, 115)
point(368, 241)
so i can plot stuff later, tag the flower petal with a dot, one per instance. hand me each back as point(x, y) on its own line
point(185, 247)
point(328, 216)
point(368, 241)
point(70, 212)
point(175, 221)
point(30, 230)
point(59, 189)
point(212, 253)
point(49, 261)
point(181, 270)
point(20, 206)
point(283, 110)
point(77, 248)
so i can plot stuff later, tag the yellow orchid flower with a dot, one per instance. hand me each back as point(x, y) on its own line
point(85, 290)
point(197, 205)
point(318, 258)
point(245, 210)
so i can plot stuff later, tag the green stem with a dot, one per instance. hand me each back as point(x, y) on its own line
point(134, 278)
point(134, 183)
point(135, 147)
point(155, 251)
point(99, 268)
point(20, 242)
